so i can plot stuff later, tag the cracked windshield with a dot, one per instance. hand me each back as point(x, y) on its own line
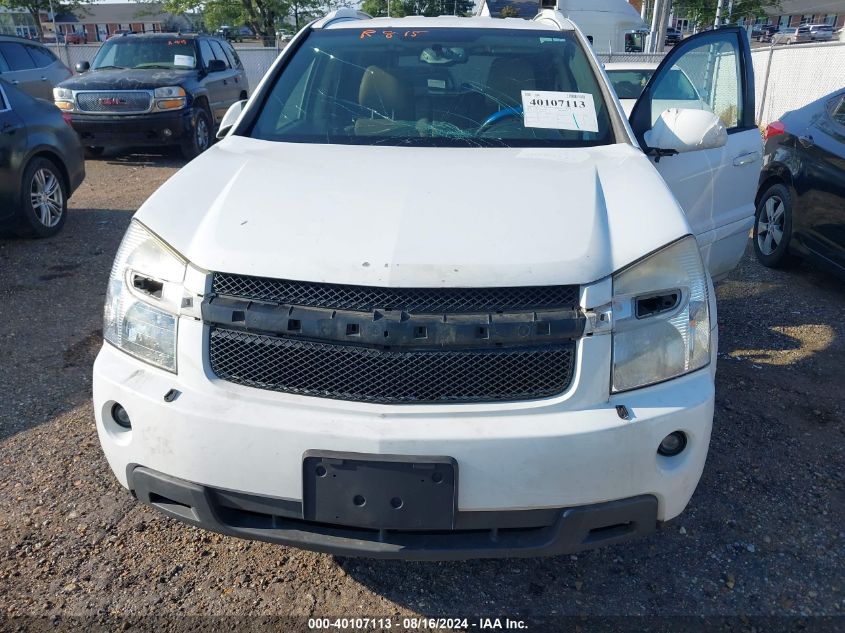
point(438, 87)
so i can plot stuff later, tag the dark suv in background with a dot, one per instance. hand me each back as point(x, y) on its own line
point(153, 90)
point(30, 66)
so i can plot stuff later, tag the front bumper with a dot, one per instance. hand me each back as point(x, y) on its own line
point(132, 130)
point(476, 534)
point(557, 454)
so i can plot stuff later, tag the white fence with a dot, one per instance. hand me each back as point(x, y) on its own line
point(787, 77)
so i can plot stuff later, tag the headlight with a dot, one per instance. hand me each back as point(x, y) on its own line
point(170, 98)
point(144, 297)
point(661, 317)
point(63, 98)
point(169, 92)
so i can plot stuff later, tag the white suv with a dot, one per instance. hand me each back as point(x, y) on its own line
point(482, 321)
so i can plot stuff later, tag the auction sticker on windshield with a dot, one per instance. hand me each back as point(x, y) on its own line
point(559, 110)
point(185, 61)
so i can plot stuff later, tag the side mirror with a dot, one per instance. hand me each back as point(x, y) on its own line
point(684, 130)
point(216, 66)
point(82, 67)
point(230, 118)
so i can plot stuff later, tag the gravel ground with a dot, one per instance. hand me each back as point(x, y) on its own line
point(763, 536)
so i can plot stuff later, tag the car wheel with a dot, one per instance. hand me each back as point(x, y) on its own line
point(200, 135)
point(94, 152)
point(773, 226)
point(43, 208)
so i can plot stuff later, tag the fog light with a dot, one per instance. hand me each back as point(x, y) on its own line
point(166, 131)
point(673, 444)
point(119, 415)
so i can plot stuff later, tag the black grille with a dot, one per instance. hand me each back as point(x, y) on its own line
point(390, 376)
point(418, 300)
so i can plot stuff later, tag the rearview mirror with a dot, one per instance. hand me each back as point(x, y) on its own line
point(216, 66)
point(82, 67)
point(685, 130)
point(230, 118)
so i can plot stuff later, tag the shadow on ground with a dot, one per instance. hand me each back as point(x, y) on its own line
point(52, 293)
point(762, 534)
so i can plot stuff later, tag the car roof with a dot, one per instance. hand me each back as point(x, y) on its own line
point(445, 21)
point(631, 66)
point(153, 36)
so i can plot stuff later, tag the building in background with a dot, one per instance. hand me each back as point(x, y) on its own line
point(798, 12)
point(17, 22)
point(783, 14)
point(97, 22)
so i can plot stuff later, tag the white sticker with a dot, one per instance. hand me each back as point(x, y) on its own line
point(184, 61)
point(559, 110)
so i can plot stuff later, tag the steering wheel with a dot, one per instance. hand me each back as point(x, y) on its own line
point(497, 117)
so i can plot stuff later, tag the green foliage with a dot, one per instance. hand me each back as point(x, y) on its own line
point(399, 8)
point(509, 11)
point(703, 12)
point(223, 12)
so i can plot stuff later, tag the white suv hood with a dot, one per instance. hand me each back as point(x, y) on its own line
point(403, 216)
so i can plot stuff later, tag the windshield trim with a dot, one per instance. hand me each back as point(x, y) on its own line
point(619, 132)
point(190, 41)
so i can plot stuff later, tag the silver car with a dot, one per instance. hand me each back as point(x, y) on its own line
point(792, 35)
point(30, 66)
point(821, 32)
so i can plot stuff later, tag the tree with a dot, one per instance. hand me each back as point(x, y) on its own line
point(217, 14)
point(703, 12)
point(262, 16)
point(399, 8)
point(36, 7)
point(509, 11)
point(378, 8)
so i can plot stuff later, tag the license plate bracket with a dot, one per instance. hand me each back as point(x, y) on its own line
point(380, 491)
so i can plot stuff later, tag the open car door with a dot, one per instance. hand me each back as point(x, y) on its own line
point(716, 187)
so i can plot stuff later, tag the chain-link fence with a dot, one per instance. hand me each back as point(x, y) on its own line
point(612, 58)
point(790, 77)
point(787, 77)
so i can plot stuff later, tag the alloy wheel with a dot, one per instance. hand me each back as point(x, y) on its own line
point(46, 197)
point(202, 134)
point(770, 225)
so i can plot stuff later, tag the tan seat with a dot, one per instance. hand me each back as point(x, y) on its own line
point(507, 79)
point(388, 99)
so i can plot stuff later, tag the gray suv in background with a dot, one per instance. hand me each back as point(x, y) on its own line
point(30, 66)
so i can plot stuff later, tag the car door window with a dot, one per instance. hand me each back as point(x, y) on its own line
point(837, 110)
point(218, 53)
point(4, 67)
point(205, 52)
point(40, 55)
point(707, 77)
point(229, 51)
point(16, 56)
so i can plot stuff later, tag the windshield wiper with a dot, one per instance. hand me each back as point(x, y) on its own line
point(104, 67)
point(154, 66)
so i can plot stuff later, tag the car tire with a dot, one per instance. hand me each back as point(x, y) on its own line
point(773, 226)
point(43, 201)
point(201, 134)
point(94, 152)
